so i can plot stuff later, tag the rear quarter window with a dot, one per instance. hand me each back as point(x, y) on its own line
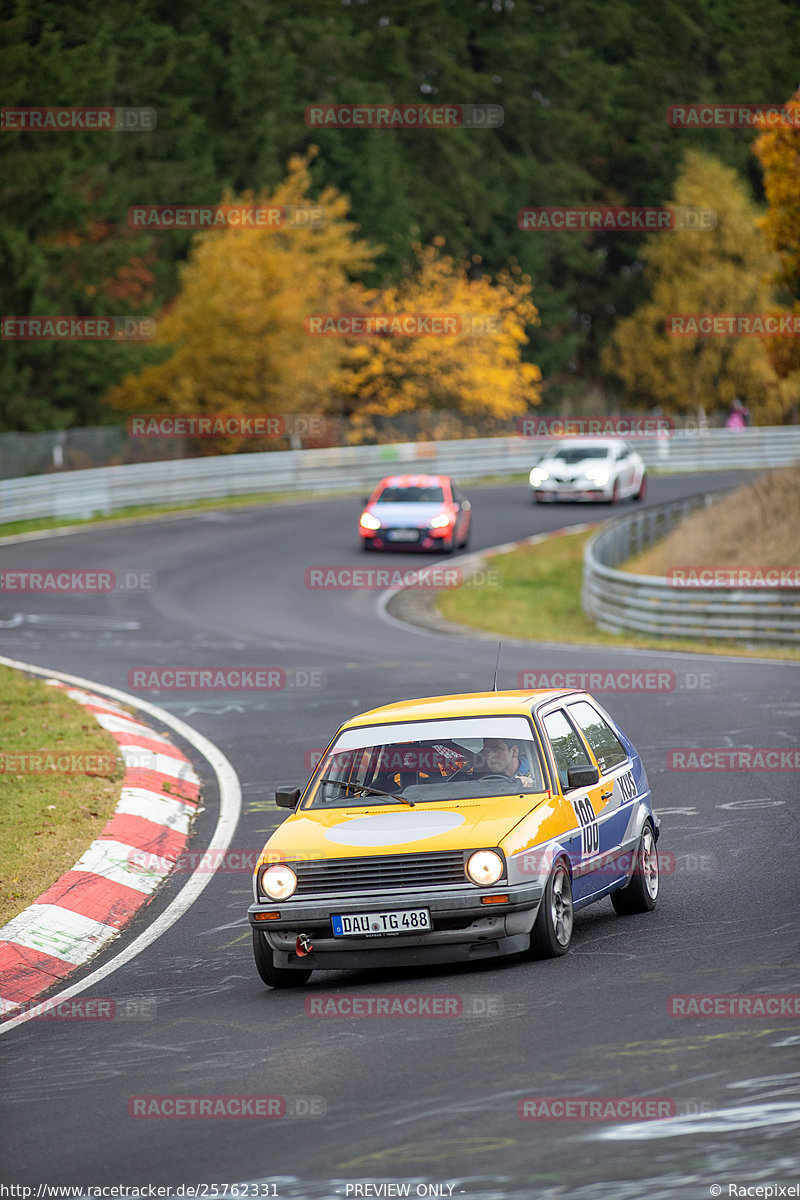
point(606, 746)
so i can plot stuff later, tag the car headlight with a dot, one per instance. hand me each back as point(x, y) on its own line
point(441, 521)
point(598, 475)
point(538, 475)
point(369, 522)
point(278, 881)
point(485, 867)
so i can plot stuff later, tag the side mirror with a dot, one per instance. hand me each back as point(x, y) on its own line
point(365, 502)
point(582, 776)
point(287, 797)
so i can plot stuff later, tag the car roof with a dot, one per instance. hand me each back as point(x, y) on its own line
point(469, 704)
point(413, 480)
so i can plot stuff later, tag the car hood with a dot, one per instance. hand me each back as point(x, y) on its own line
point(397, 829)
point(406, 516)
point(557, 466)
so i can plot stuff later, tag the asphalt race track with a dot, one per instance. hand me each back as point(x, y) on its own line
point(427, 1101)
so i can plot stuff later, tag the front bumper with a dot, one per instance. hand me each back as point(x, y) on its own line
point(463, 928)
point(426, 539)
point(564, 493)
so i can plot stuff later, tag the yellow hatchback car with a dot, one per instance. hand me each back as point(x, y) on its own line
point(455, 828)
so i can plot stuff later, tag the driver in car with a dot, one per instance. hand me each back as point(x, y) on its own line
point(503, 758)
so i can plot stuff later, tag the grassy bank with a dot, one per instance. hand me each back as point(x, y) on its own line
point(48, 817)
point(539, 597)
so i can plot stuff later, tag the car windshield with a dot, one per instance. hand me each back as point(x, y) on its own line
point(576, 454)
point(428, 761)
point(411, 495)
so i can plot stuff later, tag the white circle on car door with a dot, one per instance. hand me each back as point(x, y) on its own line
point(393, 829)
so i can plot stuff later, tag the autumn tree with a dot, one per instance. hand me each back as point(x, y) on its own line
point(778, 151)
point(237, 328)
point(726, 269)
point(473, 372)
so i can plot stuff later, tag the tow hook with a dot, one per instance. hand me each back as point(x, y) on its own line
point(303, 945)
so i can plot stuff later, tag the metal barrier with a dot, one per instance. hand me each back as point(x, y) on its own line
point(622, 602)
point(105, 490)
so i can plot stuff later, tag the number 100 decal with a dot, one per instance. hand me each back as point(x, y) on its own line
point(590, 830)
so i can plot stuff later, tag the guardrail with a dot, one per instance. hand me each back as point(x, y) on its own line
point(106, 490)
point(621, 602)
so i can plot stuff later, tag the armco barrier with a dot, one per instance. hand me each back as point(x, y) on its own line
point(622, 602)
point(106, 490)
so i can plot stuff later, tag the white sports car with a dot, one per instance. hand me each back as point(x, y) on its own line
point(604, 469)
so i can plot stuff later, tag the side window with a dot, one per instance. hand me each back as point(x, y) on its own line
point(567, 747)
point(606, 746)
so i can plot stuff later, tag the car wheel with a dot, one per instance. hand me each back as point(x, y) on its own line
point(552, 932)
point(366, 544)
point(615, 493)
point(640, 893)
point(642, 492)
point(276, 977)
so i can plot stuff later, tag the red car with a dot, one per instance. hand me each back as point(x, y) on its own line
point(419, 512)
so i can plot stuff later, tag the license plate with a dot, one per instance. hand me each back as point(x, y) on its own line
point(410, 920)
point(403, 535)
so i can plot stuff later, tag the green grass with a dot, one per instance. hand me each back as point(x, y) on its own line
point(540, 598)
point(48, 819)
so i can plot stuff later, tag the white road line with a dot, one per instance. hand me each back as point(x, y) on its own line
point(230, 805)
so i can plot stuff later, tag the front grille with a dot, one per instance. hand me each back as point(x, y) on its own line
point(392, 873)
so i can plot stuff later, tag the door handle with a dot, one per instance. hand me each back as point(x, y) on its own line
point(605, 795)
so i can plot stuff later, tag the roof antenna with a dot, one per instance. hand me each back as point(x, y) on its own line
point(496, 665)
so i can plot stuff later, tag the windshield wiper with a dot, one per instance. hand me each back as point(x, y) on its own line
point(362, 787)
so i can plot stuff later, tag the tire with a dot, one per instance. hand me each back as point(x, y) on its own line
point(552, 933)
point(640, 894)
point(642, 492)
point(615, 493)
point(275, 977)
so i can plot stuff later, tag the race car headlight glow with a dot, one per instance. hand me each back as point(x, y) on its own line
point(369, 522)
point(538, 475)
point(441, 521)
point(278, 881)
point(598, 475)
point(485, 867)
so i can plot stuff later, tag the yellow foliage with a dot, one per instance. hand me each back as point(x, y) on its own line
point(778, 151)
point(476, 373)
point(237, 325)
point(724, 270)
